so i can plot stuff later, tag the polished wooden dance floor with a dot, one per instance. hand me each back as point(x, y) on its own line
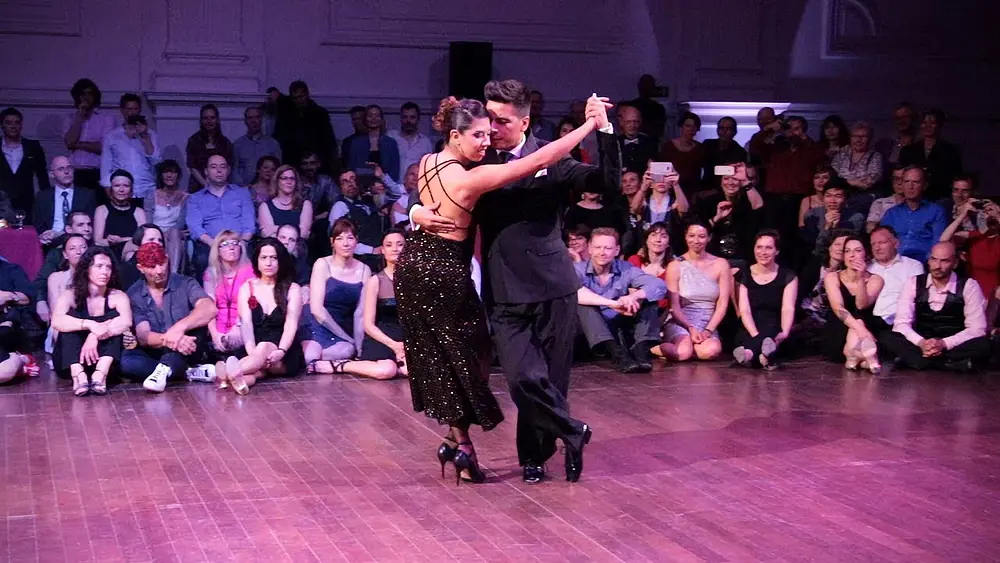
point(691, 463)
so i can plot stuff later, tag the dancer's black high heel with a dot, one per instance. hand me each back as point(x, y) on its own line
point(446, 453)
point(466, 462)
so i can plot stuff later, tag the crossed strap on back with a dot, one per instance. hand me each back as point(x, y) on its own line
point(434, 172)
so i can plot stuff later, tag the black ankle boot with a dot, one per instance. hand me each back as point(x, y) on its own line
point(643, 359)
point(621, 357)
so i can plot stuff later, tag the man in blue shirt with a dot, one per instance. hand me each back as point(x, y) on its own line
point(617, 304)
point(917, 222)
point(219, 206)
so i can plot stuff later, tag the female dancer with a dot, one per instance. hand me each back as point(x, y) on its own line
point(338, 311)
point(228, 270)
point(383, 333)
point(700, 286)
point(767, 303)
point(91, 315)
point(269, 337)
point(852, 293)
point(444, 326)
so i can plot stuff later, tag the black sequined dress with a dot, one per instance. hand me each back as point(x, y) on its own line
point(444, 329)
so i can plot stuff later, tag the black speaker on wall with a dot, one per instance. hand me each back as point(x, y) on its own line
point(470, 67)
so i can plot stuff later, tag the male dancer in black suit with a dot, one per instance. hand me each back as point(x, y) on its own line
point(530, 286)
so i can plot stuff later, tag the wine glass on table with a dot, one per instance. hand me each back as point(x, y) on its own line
point(19, 216)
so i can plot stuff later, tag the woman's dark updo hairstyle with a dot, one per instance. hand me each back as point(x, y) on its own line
point(458, 114)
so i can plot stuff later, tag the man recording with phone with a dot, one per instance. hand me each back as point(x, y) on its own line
point(132, 147)
point(789, 156)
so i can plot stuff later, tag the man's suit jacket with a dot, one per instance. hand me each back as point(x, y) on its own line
point(636, 153)
point(84, 200)
point(524, 257)
point(20, 185)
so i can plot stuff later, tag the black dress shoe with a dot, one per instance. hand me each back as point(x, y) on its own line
point(643, 359)
point(533, 474)
point(574, 457)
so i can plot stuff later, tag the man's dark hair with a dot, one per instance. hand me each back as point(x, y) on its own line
point(410, 105)
point(72, 215)
point(800, 119)
point(937, 113)
point(580, 230)
point(837, 183)
point(968, 178)
point(208, 107)
point(509, 91)
point(140, 232)
point(272, 89)
point(83, 84)
point(129, 97)
point(298, 85)
point(375, 106)
point(11, 111)
point(727, 118)
point(356, 109)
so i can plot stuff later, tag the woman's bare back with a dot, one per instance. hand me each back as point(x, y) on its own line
point(441, 181)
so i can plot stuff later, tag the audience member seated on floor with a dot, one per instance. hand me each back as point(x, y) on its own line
point(287, 205)
point(411, 142)
point(77, 223)
point(288, 235)
point(833, 136)
point(883, 204)
point(54, 205)
point(23, 164)
point(982, 243)
point(16, 295)
point(861, 167)
point(115, 222)
point(821, 176)
point(205, 142)
point(852, 293)
point(217, 207)
point(260, 185)
point(814, 305)
point(383, 333)
point(338, 331)
point(894, 269)
point(363, 214)
point(617, 304)
point(578, 242)
point(133, 147)
point(249, 149)
point(375, 147)
point(268, 338)
point(170, 312)
point(653, 202)
point(654, 257)
point(768, 293)
point(700, 286)
point(821, 222)
point(637, 148)
point(941, 159)
point(228, 269)
point(962, 191)
point(128, 272)
point(166, 207)
point(57, 282)
point(91, 315)
point(83, 132)
point(941, 320)
point(734, 214)
point(918, 222)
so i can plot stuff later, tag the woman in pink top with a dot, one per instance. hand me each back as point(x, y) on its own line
point(228, 269)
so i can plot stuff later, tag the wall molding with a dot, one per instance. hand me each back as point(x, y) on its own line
point(40, 17)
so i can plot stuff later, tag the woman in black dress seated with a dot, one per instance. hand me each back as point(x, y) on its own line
point(269, 337)
point(852, 292)
point(767, 303)
point(383, 333)
point(115, 222)
point(444, 324)
point(91, 315)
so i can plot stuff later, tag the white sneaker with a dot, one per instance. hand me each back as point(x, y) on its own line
point(157, 381)
point(204, 372)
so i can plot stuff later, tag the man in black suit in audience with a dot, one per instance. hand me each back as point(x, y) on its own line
point(637, 148)
point(529, 282)
point(53, 205)
point(23, 162)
